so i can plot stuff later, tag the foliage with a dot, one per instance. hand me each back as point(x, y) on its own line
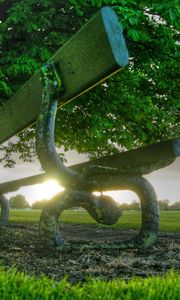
point(175, 206)
point(169, 220)
point(132, 206)
point(16, 285)
point(137, 107)
point(165, 205)
point(18, 201)
point(39, 204)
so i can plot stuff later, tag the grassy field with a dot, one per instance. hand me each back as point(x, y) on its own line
point(15, 285)
point(169, 220)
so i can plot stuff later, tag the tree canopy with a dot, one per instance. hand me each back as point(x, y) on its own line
point(39, 204)
point(19, 201)
point(136, 107)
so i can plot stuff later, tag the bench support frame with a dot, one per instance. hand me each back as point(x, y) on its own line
point(79, 186)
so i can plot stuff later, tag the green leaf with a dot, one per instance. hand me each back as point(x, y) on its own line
point(133, 34)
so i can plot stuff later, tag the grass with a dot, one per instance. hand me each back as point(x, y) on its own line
point(22, 215)
point(15, 285)
point(169, 220)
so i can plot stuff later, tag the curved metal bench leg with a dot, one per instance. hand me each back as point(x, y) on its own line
point(150, 213)
point(102, 213)
point(102, 210)
point(150, 216)
point(4, 210)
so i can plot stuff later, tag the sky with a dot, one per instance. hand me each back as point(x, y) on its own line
point(166, 181)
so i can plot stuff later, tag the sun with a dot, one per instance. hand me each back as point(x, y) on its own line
point(47, 190)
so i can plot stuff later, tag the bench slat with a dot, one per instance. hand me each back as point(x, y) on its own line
point(152, 154)
point(164, 152)
point(94, 53)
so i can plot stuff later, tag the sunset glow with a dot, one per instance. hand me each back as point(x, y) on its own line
point(50, 188)
point(47, 190)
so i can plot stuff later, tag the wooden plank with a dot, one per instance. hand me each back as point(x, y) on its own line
point(94, 53)
point(14, 185)
point(152, 154)
point(163, 151)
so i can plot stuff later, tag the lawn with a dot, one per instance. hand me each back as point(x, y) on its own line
point(169, 220)
point(15, 285)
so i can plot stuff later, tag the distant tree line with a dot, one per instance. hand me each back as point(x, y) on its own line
point(39, 204)
point(164, 205)
point(20, 202)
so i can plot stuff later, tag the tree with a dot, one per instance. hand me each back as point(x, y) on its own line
point(137, 107)
point(164, 205)
point(124, 206)
point(132, 206)
point(175, 206)
point(19, 201)
point(39, 204)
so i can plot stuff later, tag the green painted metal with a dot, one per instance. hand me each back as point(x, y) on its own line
point(162, 152)
point(157, 155)
point(14, 185)
point(94, 53)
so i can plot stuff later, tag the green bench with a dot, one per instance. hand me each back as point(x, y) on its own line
point(96, 52)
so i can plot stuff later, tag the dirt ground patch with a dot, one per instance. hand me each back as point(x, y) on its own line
point(20, 247)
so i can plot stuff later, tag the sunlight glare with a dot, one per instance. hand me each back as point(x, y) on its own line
point(50, 188)
point(47, 190)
